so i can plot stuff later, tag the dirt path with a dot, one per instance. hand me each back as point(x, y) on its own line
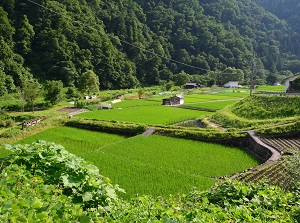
point(215, 125)
point(149, 131)
point(72, 110)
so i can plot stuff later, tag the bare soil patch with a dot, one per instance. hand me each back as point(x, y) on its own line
point(72, 110)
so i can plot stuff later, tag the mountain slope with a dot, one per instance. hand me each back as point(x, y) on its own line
point(128, 42)
point(289, 10)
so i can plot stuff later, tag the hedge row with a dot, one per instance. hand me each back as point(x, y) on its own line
point(107, 126)
point(285, 129)
point(200, 134)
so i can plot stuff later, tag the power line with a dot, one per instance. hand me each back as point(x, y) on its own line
point(121, 40)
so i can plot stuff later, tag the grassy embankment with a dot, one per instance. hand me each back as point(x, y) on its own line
point(260, 111)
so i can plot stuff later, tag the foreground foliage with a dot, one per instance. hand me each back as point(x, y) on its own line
point(28, 194)
point(78, 179)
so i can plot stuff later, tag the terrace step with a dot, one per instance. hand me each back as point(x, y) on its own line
point(149, 131)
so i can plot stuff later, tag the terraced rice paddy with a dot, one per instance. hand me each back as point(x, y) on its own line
point(163, 115)
point(155, 165)
point(274, 173)
point(213, 105)
point(282, 144)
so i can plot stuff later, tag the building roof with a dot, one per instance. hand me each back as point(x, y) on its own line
point(191, 83)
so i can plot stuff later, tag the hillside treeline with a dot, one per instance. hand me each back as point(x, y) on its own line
point(289, 10)
point(128, 43)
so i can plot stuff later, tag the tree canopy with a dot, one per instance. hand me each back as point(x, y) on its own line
point(131, 43)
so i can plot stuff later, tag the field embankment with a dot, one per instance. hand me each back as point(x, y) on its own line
point(259, 111)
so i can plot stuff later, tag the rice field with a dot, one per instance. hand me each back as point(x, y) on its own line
point(159, 115)
point(194, 98)
point(136, 103)
point(270, 88)
point(214, 105)
point(77, 141)
point(153, 165)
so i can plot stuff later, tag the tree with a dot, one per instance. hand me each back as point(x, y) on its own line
point(230, 74)
point(296, 83)
point(53, 91)
point(73, 93)
point(24, 36)
point(31, 91)
point(169, 85)
point(141, 92)
point(3, 89)
point(89, 82)
point(181, 78)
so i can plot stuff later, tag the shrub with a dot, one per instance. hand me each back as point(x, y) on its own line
point(107, 126)
point(11, 132)
point(25, 198)
point(78, 179)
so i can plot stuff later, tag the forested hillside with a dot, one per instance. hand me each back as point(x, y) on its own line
point(128, 43)
point(289, 10)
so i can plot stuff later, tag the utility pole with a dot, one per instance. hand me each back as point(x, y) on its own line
point(252, 74)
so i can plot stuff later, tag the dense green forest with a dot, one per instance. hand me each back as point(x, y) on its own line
point(129, 43)
point(283, 9)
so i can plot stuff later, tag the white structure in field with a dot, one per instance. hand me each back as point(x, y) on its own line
point(231, 84)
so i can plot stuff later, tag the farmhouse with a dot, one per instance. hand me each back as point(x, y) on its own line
point(289, 85)
point(176, 100)
point(231, 84)
point(192, 85)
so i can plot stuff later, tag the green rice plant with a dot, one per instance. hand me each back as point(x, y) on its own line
point(136, 103)
point(159, 165)
point(146, 114)
point(213, 105)
point(78, 141)
point(194, 98)
point(155, 165)
point(269, 88)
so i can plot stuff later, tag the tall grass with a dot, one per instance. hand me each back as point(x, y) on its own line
point(267, 107)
